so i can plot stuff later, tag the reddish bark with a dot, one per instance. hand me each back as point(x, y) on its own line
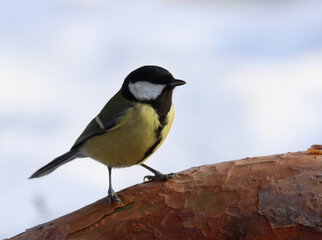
point(272, 197)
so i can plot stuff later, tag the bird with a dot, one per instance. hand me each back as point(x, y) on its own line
point(130, 127)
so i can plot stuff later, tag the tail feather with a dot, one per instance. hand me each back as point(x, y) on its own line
point(57, 162)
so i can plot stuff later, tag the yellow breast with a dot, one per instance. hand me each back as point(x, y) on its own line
point(126, 144)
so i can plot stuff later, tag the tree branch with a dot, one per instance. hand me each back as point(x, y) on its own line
point(272, 197)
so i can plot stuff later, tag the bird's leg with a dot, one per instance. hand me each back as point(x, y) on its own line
point(157, 175)
point(112, 197)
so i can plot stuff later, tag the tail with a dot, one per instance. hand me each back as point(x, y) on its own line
point(57, 162)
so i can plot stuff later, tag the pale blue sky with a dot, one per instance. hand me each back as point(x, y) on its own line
point(254, 87)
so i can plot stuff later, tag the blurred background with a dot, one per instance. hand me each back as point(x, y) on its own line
point(254, 87)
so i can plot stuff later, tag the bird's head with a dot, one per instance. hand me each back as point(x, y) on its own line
point(150, 84)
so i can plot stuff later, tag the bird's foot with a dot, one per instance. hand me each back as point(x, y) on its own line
point(159, 177)
point(112, 197)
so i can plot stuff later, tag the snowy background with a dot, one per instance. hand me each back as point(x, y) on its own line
point(254, 87)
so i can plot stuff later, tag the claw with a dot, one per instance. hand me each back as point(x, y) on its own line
point(112, 197)
point(159, 177)
point(148, 177)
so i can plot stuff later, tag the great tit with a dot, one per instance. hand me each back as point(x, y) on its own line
point(131, 126)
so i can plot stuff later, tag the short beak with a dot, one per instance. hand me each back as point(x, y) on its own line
point(176, 82)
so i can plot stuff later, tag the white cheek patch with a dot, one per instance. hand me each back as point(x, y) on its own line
point(143, 90)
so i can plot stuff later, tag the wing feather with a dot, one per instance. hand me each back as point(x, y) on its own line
point(107, 119)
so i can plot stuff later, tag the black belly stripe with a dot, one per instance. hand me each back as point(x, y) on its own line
point(151, 149)
point(162, 106)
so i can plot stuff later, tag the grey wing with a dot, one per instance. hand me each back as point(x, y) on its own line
point(106, 119)
point(95, 127)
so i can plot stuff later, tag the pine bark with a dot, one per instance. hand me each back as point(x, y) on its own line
point(271, 197)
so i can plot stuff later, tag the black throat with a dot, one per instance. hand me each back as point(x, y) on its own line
point(162, 104)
